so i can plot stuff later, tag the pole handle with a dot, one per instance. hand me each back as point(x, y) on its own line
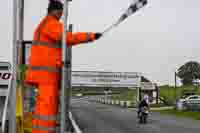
point(111, 27)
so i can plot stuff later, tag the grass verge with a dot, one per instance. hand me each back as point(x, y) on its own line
point(128, 95)
point(186, 114)
point(169, 93)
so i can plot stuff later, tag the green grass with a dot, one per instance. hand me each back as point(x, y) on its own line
point(170, 93)
point(128, 95)
point(186, 114)
point(167, 92)
point(92, 91)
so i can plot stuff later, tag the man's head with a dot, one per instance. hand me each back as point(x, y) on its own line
point(55, 8)
point(146, 97)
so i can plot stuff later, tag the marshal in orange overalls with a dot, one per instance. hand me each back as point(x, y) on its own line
point(43, 70)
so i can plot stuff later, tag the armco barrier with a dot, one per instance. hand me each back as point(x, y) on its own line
point(106, 101)
point(126, 104)
point(122, 103)
point(103, 100)
point(109, 102)
point(117, 102)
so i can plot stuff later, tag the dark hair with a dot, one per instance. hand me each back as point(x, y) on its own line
point(54, 5)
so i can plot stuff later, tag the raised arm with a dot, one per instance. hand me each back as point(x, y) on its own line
point(54, 32)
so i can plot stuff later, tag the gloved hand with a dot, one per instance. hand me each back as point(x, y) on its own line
point(98, 35)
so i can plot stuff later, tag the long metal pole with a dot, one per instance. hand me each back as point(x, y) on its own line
point(68, 81)
point(64, 70)
point(139, 87)
point(12, 116)
point(69, 71)
point(21, 31)
point(21, 53)
point(175, 86)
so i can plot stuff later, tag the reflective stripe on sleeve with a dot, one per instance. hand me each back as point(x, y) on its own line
point(46, 44)
point(46, 118)
point(52, 129)
point(44, 68)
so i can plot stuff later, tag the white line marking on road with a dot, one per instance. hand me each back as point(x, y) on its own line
point(76, 127)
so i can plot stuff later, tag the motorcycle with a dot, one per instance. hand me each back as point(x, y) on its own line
point(143, 115)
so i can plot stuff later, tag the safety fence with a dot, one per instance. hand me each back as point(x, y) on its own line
point(126, 104)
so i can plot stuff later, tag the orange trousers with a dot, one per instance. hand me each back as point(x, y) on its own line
point(46, 108)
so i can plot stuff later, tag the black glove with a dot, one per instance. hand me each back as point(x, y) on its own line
point(98, 35)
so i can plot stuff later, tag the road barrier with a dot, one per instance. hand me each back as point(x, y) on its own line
point(113, 102)
point(110, 102)
point(117, 102)
point(126, 104)
point(130, 104)
point(122, 103)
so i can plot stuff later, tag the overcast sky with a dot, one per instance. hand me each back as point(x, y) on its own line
point(155, 41)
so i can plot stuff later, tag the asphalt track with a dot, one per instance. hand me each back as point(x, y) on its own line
point(94, 117)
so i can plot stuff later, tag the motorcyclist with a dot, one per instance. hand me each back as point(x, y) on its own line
point(143, 103)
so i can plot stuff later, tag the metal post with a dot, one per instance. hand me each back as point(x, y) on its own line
point(23, 52)
point(68, 81)
point(139, 88)
point(69, 71)
point(157, 92)
point(21, 32)
point(12, 117)
point(175, 86)
point(18, 28)
point(64, 71)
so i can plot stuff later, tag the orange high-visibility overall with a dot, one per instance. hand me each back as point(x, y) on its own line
point(44, 70)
